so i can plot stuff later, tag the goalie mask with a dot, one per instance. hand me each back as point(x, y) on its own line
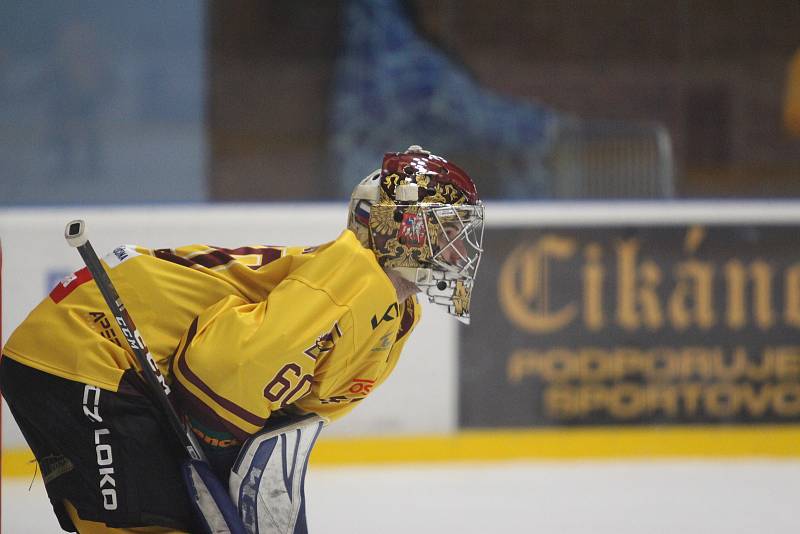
point(422, 217)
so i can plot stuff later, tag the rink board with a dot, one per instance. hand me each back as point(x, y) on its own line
point(636, 325)
point(415, 415)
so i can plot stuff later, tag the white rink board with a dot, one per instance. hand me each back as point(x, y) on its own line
point(33, 245)
point(421, 395)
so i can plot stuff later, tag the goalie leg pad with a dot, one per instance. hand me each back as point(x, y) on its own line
point(267, 480)
point(214, 511)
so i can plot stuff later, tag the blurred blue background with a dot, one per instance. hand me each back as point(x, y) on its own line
point(102, 102)
point(126, 102)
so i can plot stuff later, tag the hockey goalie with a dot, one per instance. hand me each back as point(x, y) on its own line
point(261, 346)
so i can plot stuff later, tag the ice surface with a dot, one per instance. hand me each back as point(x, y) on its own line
point(539, 497)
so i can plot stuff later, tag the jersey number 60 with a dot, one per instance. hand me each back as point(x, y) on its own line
point(286, 386)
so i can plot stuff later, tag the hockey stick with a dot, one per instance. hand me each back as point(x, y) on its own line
point(211, 501)
point(74, 233)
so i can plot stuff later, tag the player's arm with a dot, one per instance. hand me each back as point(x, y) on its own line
point(240, 361)
point(344, 382)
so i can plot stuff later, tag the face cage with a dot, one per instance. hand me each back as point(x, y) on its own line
point(448, 275)
point(460, 238)
point(455, 263)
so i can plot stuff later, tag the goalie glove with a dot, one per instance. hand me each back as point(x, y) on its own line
point(267, 480)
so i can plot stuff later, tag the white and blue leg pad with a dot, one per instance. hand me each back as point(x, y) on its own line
point(267, 482)
point(214, 512)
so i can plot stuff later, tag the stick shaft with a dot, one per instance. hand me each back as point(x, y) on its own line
point(150, 371)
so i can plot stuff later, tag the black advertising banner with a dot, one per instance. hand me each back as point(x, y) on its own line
point(646, 325)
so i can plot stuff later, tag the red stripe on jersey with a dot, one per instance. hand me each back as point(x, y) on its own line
point(212, 259)
point(68, 284)
point(195, 380)
point(200, 412)
point(407, 320)
point(217, 256)
point(223, 256)
point(168, 255)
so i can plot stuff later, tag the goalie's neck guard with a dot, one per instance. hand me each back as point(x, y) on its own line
point(422, 217)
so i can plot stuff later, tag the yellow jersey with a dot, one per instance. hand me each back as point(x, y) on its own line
point(240, 333)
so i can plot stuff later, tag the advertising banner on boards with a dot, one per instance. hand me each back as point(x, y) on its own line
point(675, 324)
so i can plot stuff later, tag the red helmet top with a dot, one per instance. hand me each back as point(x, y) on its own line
point(438, 179)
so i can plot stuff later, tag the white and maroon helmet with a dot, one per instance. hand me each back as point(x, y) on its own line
point(422, 217)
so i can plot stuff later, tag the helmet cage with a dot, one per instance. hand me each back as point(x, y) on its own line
point(459, 237)
point(436, 246)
